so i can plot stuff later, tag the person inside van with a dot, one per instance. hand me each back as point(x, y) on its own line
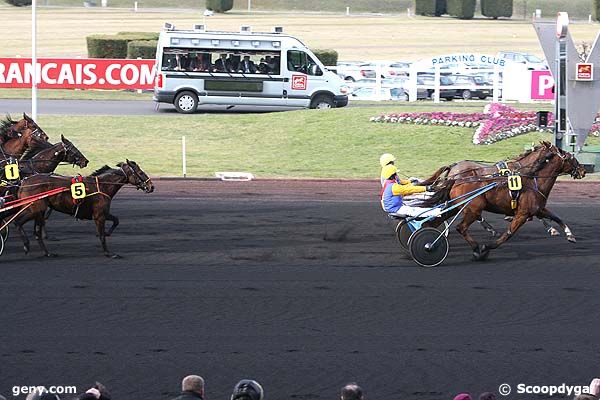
point(223, 64)
point(262, 66)
point(274, 66)
point(247, 66)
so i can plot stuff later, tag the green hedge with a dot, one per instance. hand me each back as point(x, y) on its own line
point(19, 3)
point(497, 8)
point(327, 56)
point(596, 10)
point(219, 6)
point(145, 49)
point(430, 7)
point(463, 9)
point(115, 46)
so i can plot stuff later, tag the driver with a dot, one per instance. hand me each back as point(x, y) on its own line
point(393, 190)
point(390, 159)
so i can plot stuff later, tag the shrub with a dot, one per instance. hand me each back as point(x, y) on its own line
point(430, 7)
point(463, 9)
point(19, 3)
point(107, 46)
point(497, 8)
point(596, 10)
point(140, 35)
point(145, 49)
point(219, 6)
point(115, 46)
point(327, 56)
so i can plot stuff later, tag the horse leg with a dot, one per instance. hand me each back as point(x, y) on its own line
point(549, 228)
point(40, 221)
point(469, 217)
point(18, 223)
point(486, 225)
point(514, 226)
point(115, 223)
point(545, 213)
point(100, 226)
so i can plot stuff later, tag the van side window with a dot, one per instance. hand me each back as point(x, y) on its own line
point(242, 62)
point(299, 61)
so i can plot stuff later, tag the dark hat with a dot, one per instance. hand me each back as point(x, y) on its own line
point(247, 389)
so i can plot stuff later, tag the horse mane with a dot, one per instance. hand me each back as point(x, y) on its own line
point(36, 147)
point(6, 124)
point(441, 195)
point(101, 170)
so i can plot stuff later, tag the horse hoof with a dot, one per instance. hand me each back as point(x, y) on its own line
point(51, 255)
point(481, 253)
point(26, 249)
point(508, 218)
point(113, 256)
point(571, 239)
point(554, 232)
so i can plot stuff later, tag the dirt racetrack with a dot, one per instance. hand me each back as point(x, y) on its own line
point(300, 286)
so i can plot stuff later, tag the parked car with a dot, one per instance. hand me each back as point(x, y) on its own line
point(429, 80)
point(355, 70)
point(531, 62)
point(468, 87)
point(386, 93)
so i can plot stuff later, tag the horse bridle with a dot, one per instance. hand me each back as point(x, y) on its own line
point(141, 184)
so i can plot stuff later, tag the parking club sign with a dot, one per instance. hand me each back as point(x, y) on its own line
point(585, 72)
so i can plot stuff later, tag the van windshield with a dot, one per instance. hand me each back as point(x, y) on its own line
point(221, 60)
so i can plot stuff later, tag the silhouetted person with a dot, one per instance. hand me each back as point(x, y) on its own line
point(192, 388)
point(352, 392)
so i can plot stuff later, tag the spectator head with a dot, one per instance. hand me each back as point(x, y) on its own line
point(246, 58)
point(585, 397)
point(36, 395)
point(2, 397)
point(193, 383)
point(224, 56)
point(487, 396)
point(247, 389)
point(352, 392)
point(595, 387)
point(463, 396)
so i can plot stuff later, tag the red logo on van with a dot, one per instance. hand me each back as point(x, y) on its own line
point(299, 82)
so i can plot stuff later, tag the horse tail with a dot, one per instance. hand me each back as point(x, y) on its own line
point(439, 175)
point(441, 194)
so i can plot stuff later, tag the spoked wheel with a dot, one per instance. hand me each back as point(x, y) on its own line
point(4, 232)
point(403, 233)
point(424, 251)
point(436, 223)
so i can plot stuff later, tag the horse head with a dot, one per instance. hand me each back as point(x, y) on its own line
point(136, 176)
point(566, 162)
point(37, 131)
point(72, 154)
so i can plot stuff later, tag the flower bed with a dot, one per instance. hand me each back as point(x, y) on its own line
point(496, 122)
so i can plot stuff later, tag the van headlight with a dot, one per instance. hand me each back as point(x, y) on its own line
point(344, 89)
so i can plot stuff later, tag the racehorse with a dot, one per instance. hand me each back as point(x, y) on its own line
point(19, 136)
point(102, 186)
point(537, 182)
point(44, 157)
point(468, 168)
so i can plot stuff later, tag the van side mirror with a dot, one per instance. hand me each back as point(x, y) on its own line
point(315, 70)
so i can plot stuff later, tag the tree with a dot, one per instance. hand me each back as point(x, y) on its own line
point(219, 6)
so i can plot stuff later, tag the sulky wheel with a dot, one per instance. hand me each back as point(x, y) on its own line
point(422, 249)
point(403, 233)
point(436, 223)
point(1, 244)
point(4, 232)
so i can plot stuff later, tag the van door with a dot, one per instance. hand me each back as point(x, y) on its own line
point(303, 77)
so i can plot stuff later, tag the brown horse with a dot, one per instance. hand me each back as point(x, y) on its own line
point(101, 187)
point(19, 136)
point(537, 182)
point(468, 168)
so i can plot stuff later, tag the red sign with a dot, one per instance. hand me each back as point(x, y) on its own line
point(78, 73)
point(585, 72)
point(299, 82)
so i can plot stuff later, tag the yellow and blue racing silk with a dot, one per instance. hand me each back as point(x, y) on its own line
point(392, 192)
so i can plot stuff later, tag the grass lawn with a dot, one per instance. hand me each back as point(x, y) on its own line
point(339, 143)
point(62, 31)
point(64, 94)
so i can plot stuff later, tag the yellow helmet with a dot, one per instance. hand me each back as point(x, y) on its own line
point(388, 171)
point(386, 158)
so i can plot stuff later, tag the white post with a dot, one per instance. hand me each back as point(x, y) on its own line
point(347, 10)
point(413, 82)
point(437, 77)
point(378, 70)
point(33, 61)
point(496, 85)
point(249, 5)
point(184, 161)
point(408, 12)
point(104, 3)
point(139, 91)
point(135, 6)
point(589, 18)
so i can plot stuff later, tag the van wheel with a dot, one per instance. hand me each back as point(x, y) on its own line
point(322, 101)
point(186, 102)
